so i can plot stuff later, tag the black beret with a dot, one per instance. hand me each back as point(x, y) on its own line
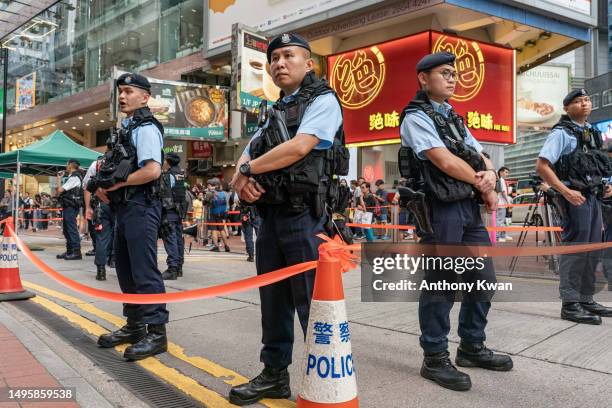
point(173, 159)
point(574, 94)
point(134, 80)
point(75, 162)
point(286, 40)
point(435, 60)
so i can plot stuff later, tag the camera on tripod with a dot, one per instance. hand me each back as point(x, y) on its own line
point(535, 182)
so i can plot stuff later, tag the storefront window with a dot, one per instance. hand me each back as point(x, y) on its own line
point(74, 45)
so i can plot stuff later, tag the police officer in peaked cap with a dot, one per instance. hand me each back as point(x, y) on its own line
point(453, 174)
point(137, 206)
point(573, 162)
point(71, 198)
point(292, 213)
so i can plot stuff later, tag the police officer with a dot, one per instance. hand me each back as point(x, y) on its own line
point(174, 211)
point(290, 220)
point(250, 224)
point(572, 162)
point(138, 209)
point(101, 220)
point(71, 199)
point(446, 157)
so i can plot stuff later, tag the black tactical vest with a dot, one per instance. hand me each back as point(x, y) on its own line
point(423, 174)
point(121, 159)
point(74, 197)
point(310, 182)
point(173, 198)
point(584, 168)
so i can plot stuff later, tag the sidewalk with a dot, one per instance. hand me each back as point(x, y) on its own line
point(35, 358)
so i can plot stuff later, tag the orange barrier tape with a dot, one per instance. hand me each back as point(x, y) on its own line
point(520, 205)
point(229, 224)
point(202, 293)
point(385, 226)
point(511, 229)
point(41, 209)
point(39, 219)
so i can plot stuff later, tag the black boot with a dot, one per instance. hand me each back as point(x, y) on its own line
point(271, 383)
point(597, 309)
point(179, 271)
point(101, 274)
point(170, 274)
point(227, 248)
point(438, 368)
point(74, 255)
point(62, 255)
point(153, 343)
point(215, 249)
point(478, 355)
point(131, 333)
point(111, 262)
point(250, 258)
point(91, 252)
point(574, 312)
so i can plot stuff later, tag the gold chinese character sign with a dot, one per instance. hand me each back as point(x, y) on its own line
point(358, 77)
point(469, 64)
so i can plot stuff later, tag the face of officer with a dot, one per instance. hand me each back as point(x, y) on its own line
point(288, 66)
point(439, 82)
point(132, 98)
point(579, 108)
point(504, 173)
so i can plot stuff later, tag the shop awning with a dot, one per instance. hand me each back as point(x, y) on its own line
point(47, 156)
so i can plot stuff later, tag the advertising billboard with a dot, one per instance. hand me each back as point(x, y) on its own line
point(188, 111)
point(262, 15)
point(606, 130)
point(25, 94)
point(375, 83)
point(539, 95)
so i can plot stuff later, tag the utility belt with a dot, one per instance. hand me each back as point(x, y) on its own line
point(146, 194)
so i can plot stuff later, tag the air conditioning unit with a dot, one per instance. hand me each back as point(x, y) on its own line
point(204, 165)
point(226, 154)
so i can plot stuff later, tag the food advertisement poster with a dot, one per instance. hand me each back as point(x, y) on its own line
point(190, 111)
point(539, 95)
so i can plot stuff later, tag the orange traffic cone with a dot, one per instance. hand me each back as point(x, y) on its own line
point(329, 379)
point(10, 283)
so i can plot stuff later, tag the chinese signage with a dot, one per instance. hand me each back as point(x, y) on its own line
point(25, 96)
point(201, 150)
point(375, 83)
point(539, 95)
point(189, 111)
point(178, 147)
point(263, 15)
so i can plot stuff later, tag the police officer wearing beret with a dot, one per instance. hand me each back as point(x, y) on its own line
point(138, 209)
point(292, 213)
point(71, 198)
point(573, 163)
point(174, 210)
point(448, 162)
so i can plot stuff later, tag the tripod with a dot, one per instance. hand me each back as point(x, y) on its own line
point(550, 218)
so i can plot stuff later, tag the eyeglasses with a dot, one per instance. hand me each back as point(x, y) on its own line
point(447, 74)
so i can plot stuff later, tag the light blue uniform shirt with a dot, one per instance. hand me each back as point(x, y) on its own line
point(322, 118)
point(558, 143)
point(148, 141)
point(419, 132)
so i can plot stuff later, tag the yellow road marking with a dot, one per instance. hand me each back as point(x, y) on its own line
point(182, 382)
point(228, 376)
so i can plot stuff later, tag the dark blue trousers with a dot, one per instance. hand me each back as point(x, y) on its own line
point(577, 271)
point(70, 228)
point(455, 223)
point(285, 239)
point(248, 227)
point(607, 254)
point(175, 243)
point(104, 238)
point(136, 257)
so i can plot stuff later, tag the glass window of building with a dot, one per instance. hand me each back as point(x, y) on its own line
point(595, 100)
point(73, 45)
point(606, 98)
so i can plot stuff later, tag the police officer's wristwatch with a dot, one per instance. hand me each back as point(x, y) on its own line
point(245, 169)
